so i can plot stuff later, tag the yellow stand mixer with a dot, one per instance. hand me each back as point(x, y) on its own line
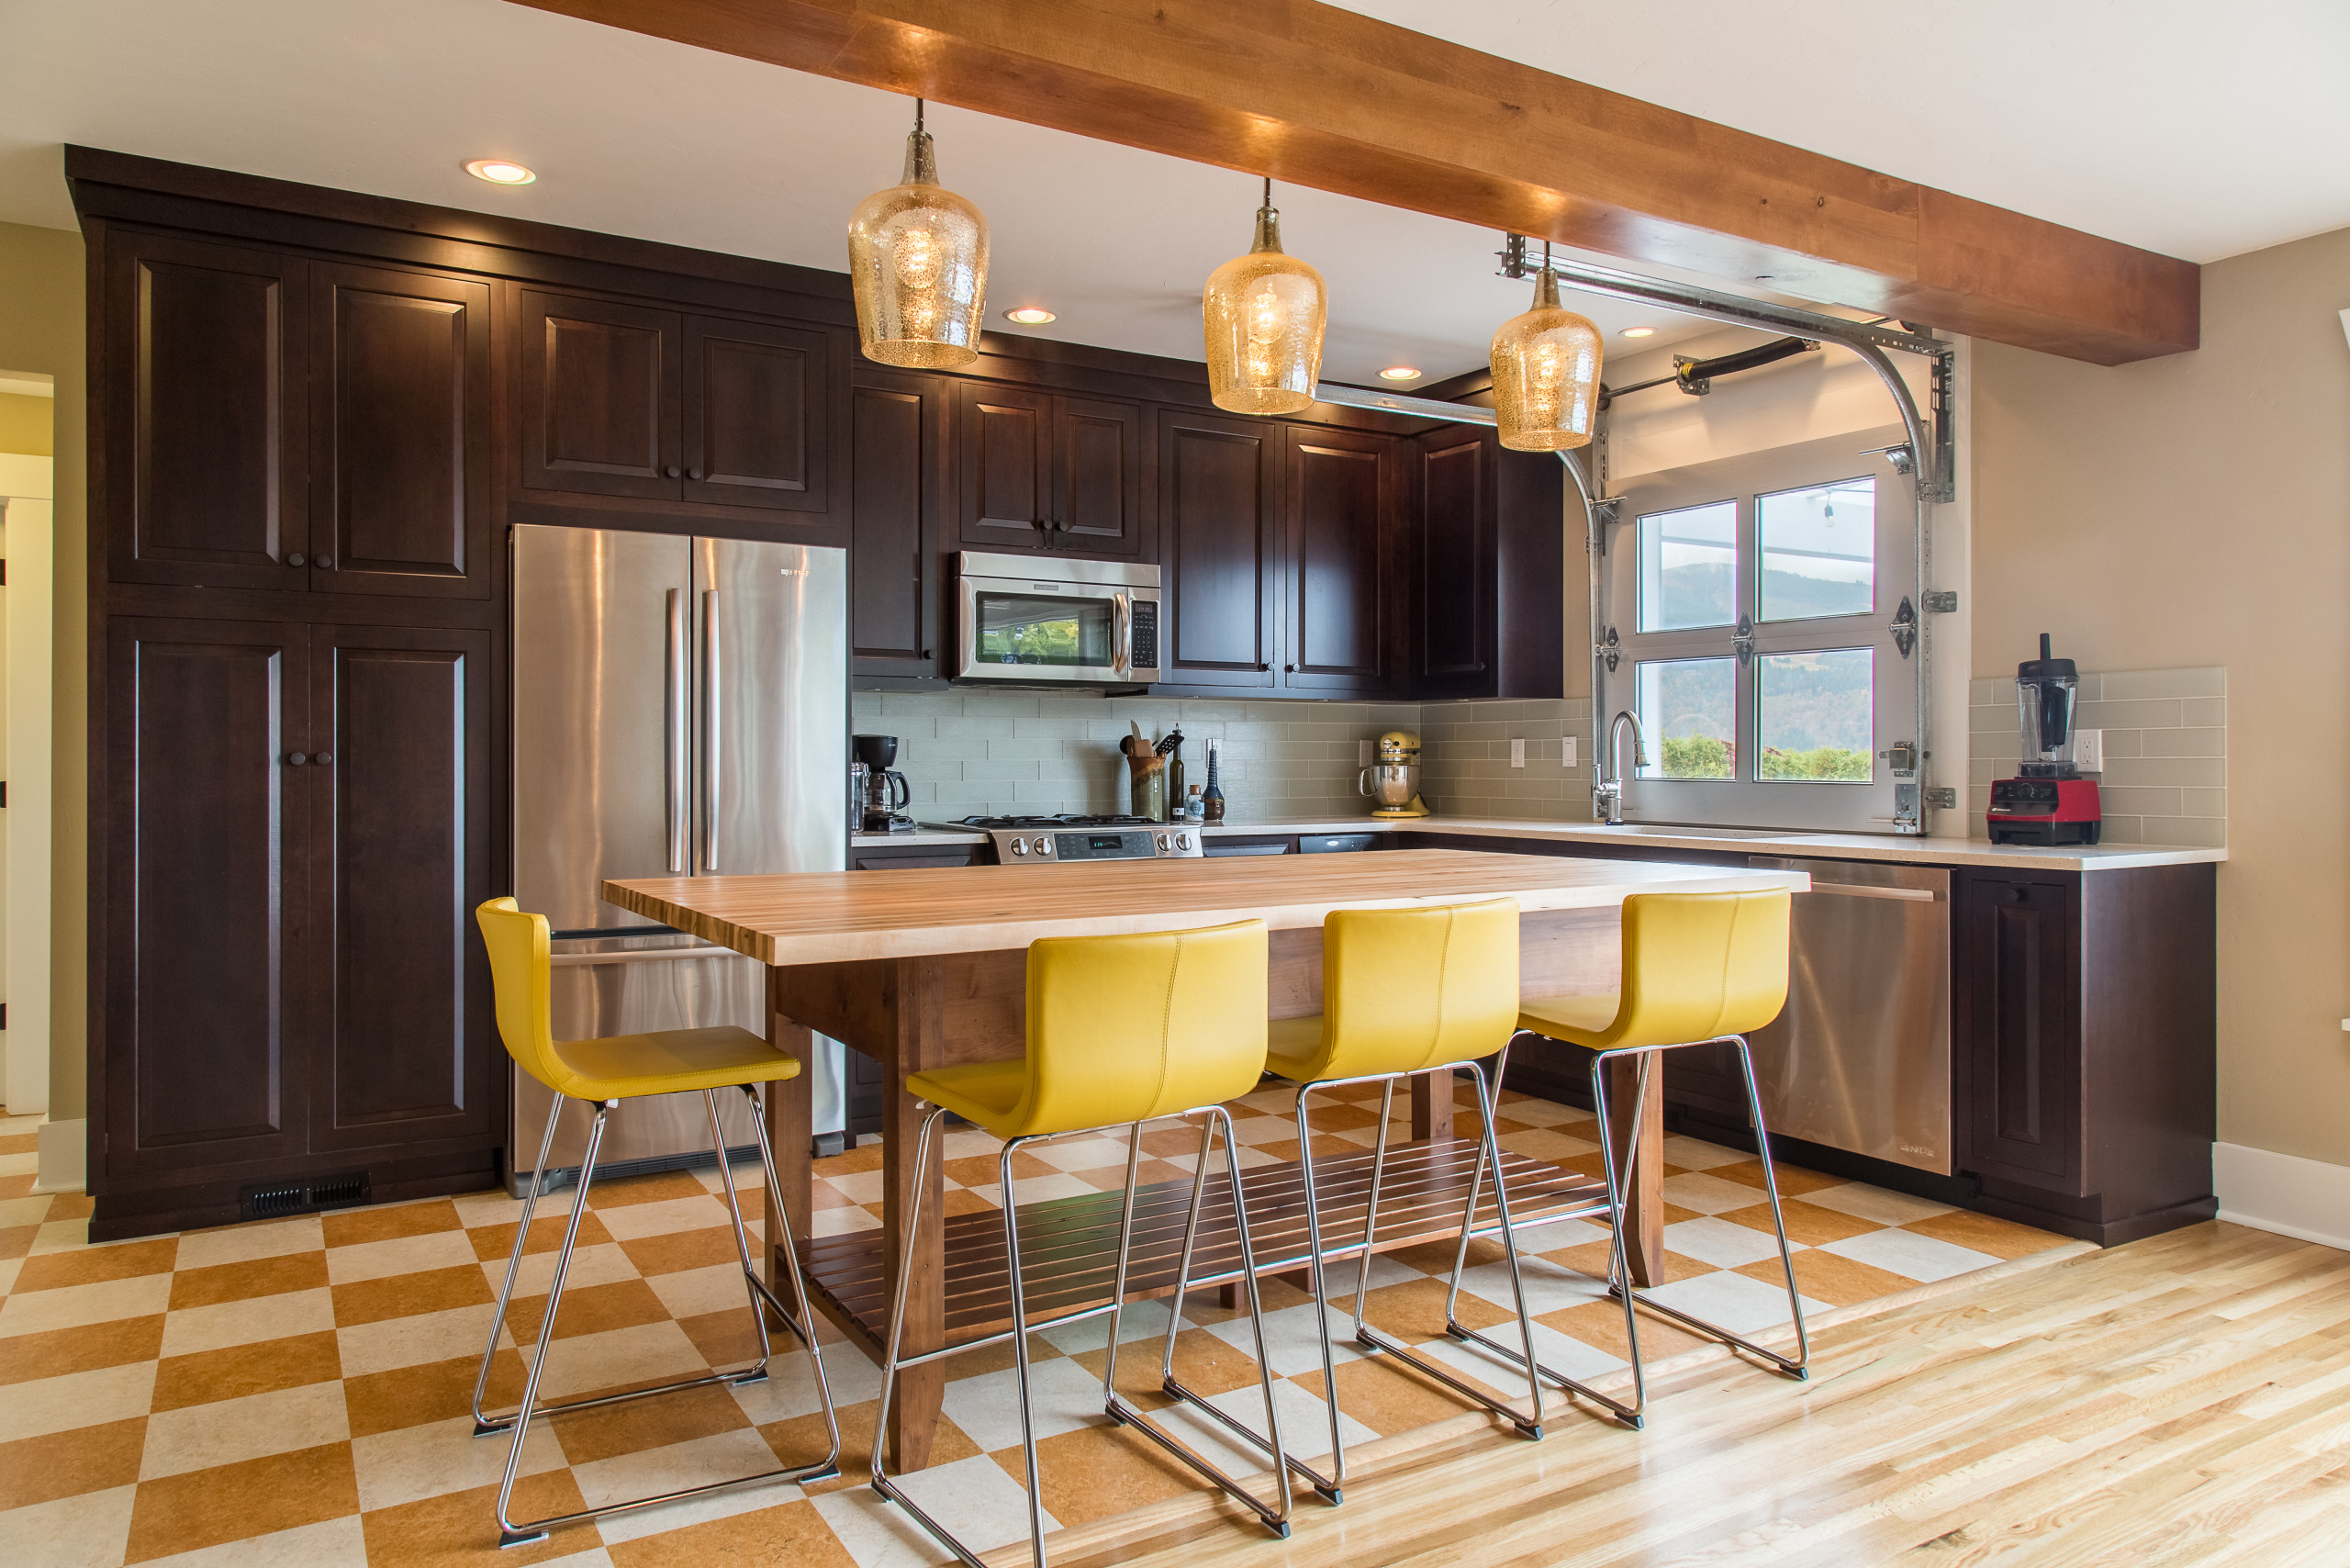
point(1394, 777)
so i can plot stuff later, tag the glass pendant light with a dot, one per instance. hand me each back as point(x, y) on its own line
point(918, 260)
point(1546, 371)
point(1263, 314)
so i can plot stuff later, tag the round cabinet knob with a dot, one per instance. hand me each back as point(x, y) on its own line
point(296, 559)
point(326, 562)
point(322, 759)
point(928, 653)
point(693, 473)
point(1182, 841)
point(670, 471)
point(1020, 847)
point(295, 759)
point(1291, 668)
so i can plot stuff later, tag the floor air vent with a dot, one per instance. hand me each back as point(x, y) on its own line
point(303, 1197)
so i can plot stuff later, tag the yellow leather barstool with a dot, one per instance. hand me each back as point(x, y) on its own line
point(603, 1073)
point(1405, 992)
point(1699, 969)
point(1122, 1030)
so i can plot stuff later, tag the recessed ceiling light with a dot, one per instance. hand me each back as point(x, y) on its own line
point(500, 171)
point(1400, 373)
point(1639, 331)
point(1030, 315)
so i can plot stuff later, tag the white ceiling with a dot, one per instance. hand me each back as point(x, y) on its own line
point(2197, 130)
point(635, 136)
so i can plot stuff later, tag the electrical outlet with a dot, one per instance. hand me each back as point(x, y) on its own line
point(2089, 750)
point(1517, 754)
point(1362, 754)
point(1567, 751)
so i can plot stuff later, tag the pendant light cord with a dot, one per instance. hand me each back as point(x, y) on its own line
point(918, 118)
point(1269, 190)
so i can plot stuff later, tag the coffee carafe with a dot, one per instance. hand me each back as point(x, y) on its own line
point(885, 791)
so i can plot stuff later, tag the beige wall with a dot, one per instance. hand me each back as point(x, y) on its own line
point(25, 424)
point(42, 331)
point(2196, 510)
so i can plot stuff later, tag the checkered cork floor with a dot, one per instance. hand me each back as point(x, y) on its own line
point(293, 1392)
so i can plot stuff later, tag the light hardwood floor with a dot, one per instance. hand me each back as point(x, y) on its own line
point(2177, 1400)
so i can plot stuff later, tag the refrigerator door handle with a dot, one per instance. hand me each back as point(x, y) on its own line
point(710, 684)
point(677, 737)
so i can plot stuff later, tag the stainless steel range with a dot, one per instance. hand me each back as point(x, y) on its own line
point(1019, 840)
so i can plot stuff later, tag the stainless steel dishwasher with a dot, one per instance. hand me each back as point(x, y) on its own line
point(1859, 1059)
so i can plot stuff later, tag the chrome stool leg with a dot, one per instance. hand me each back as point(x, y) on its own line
point(482, 1425)
point(1795, 1366)
point(1275, 1516)
point(801, 1322)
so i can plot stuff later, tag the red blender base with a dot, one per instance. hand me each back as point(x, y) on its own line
point(2044, 811)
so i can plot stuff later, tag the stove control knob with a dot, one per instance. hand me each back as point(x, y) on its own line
point(1163, 844)
point(1182, 841)
point(1044, 846)
point(1020, 847)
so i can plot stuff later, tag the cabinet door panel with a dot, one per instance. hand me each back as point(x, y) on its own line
point(754, 415)
point(1003, 457)
point(205, 362)
point(1097, 476)
point(601, 384)
point(207, 832)
point(400, 400)
point(1335, 531)
point(405, 1039)
point(2019, 1022)
point(898, 442)
point(1455, 522)
point(1220, 573)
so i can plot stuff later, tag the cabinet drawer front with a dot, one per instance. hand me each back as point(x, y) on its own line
point(601, 384)
point(204, 370)
point(206, 854)
point(756, 399)
point(400, 419)
point(406, 1041)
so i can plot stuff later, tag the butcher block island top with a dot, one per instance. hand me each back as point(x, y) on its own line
point(821, 917)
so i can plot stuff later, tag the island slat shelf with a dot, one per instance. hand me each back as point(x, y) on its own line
point(1068, 1245)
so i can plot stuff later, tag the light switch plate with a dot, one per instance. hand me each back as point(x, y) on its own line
point(1566, 751)
point(1517, 754)
point(2089, 750)
point(1362, 754)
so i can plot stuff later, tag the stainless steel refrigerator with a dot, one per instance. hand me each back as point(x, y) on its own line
point(680, 708)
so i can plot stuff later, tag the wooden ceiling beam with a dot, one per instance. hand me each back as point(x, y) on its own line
point(1318, 96)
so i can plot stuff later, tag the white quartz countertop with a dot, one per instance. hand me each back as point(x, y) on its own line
point(1811, 846)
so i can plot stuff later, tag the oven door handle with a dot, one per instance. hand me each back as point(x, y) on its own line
point(1122, 655)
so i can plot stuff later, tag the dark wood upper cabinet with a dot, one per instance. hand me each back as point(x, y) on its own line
point(1340, 520)
point(401, 431)
point(404, 1043)
point(897, 483)
point(1490, 577)
point(1097, 476)
point(602, 392)
point(1455, 640)
point(207, 863)
point(1219, 554)
point(756, 412)
point(203, 478)
point(1038, 471)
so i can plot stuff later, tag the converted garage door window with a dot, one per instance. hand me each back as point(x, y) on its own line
point(1752, 603)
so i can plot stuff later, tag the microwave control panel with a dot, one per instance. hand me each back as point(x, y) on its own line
point(1145, 634)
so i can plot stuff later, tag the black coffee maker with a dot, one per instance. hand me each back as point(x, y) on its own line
point(880, 791)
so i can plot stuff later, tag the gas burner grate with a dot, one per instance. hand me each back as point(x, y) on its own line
point(1063, 821)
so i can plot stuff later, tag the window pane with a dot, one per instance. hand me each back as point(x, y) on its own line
point(1818, 551)
point(1688, 567)
point(1689, 714)
point(1817, 720)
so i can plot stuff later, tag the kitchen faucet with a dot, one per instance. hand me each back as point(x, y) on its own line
point(1607, 795)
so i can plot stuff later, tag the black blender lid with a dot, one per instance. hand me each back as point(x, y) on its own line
point(2046, 668)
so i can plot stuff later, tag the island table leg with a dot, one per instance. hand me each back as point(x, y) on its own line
point(790, 1116)
point(917, 1005)
point(1644, 1199)
point(1432, 1106)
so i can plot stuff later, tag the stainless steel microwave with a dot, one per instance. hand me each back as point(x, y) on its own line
point(1055, 620)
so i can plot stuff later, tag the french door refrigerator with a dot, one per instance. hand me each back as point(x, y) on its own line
point(680, 708)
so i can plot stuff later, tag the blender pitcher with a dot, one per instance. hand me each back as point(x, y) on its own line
point(2044, 689)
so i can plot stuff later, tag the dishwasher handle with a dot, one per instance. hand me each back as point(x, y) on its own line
point(1858, 890)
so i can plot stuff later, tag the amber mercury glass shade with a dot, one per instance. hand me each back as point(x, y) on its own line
point(1263, 314)
point(1546, 374)
point(918, 260)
